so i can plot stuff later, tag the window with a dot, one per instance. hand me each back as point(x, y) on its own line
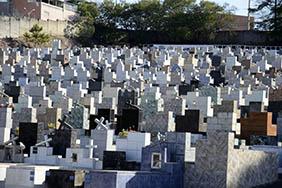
point(156, 162)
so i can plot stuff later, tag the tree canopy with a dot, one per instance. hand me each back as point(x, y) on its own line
point(270, 13)
point(180, 20)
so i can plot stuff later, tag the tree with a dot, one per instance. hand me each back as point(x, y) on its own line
point(270, 12)
point(173, 20)
point(82, 28)
point(36, 36)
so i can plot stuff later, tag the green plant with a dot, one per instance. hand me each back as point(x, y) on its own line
point(36, 36)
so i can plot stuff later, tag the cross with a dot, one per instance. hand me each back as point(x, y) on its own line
point(45, 142)
point(91, 146)
point(101, 125)
point(64, 124)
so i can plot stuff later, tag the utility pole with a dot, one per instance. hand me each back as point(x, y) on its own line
point(249, 15)
point(275, 15)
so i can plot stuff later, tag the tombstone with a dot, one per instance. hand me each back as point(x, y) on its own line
point(263, 140)
point(275, 107)
point(78, 117)
point(63, 138)
point(11, 152)
point(129, 120)
point(28, 135)
point(31, 175)
point(216, 60)
point(192, 122)
point(202, 103)
point(102, 137)
point(37, 92)
point(42, 154)
point(114, 160)
point(132, 145)
point(81, 157)
point(13, 90)
point(217, 77)
point(69, 178)
point(175, 105)
point(108, 114)
point(183, 89)
point(126, 97)
point(95, 85)
point(258, 123)
point(76, 91)
point(5, 124)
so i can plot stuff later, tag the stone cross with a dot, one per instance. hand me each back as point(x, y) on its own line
point(101, 125)
point(45, 142)
point(91, 146)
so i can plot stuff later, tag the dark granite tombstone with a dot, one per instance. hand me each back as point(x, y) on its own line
point(263, 140)
point(13, 90)
point(95, 85)
point(2, 56)
point(63, 139)
point(256, 107)
point(275, 107)
point(28, 135)
point(99, 74)
point(253, 107)
point(59, 178)
point(217, 76)
point(113, 160)
point(216, 60)
point(195, 83)
point(60, 58)
point(47, 57)
point(129, 120)
point(244, 111)
point(19, 72)
point(131, 166)
point(185, 88)
point(126, 97)
point(190, 122)
point(108, 114)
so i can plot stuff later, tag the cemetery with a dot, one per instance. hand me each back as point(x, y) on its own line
point(132, 117)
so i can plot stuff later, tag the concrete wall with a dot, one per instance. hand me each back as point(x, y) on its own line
point(50, 12)
point(16, 27)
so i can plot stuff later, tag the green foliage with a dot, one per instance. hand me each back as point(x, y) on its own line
point(36, 36)
point(83, 28)
point(179, 20)
point(270, 13)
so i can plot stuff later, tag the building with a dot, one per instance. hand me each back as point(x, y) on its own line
point(38, 9)
point(240, 23)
